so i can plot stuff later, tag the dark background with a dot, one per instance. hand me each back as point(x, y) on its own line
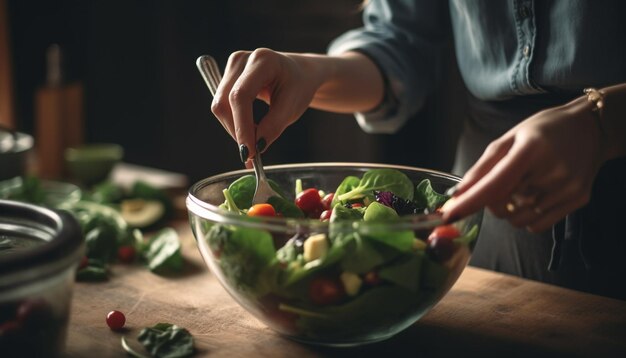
point(136, 60)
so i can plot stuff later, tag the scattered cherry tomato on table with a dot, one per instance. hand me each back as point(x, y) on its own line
point(262, 210)
point(116, 320)
point(126, 254)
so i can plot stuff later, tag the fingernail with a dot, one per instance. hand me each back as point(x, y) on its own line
point(243, 152)
point(260, 145)
point(451, 191)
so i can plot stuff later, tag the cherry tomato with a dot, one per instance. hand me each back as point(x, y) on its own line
point(371, 278)
point(309, 201)
point(84, 261)
point(326, 291)
point(262, 210)
point(356, 205)
point(327, 200)
point(445, 231)
point(116, 320)
point(440, 242)
point(126, 254)
point(325, 215)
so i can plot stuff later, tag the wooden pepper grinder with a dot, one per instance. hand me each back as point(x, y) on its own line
point(58, 117)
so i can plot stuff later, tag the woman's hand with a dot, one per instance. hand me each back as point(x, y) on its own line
point(290, 83)
point(539, 171)
point(286, 82)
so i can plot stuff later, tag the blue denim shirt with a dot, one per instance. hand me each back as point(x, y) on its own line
point(504, 48)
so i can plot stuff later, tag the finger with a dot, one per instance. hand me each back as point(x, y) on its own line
point(560, 192)
point(256, 76)
point(497, 185)
point(556, 213)
point(500, 210)
point(221, 105)
point(491, 156)
point(523, 216)
point(282, 113)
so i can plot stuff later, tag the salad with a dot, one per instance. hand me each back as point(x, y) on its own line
point(361, 274)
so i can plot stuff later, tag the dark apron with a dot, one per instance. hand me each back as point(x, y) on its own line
point(585, 251)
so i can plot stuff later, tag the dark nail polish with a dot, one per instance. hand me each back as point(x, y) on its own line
point(243, 152)
point(260, 145)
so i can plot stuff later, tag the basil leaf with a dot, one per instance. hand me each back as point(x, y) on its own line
point(165, 340)
point(163, 252)
point(426, 196)
point(381, 179)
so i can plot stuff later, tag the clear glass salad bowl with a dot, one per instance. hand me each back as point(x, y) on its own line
point(364, 282)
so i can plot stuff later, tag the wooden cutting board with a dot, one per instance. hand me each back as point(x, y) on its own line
point(485, 313)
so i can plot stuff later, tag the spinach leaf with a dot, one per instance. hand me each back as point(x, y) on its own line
point(406, 273)
point(242, 190)
point(341, 213)
point(379, 212)
point(244, 255)
point(427, 197)
point(106, 193)
point(350, 182)
point(381, 179)
point(101, 243)
point(285, 207)
point(360, 255)
point(95, 271)
point(163, 252)
point(165, 340)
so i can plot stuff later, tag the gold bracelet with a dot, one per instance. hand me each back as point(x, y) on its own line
point(596, 97)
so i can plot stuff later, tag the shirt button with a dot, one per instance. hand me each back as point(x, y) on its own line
point(526, 51)
point(524, 12)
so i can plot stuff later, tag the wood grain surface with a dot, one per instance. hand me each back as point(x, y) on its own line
point(485, 313)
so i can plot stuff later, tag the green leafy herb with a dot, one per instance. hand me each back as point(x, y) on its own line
point(285, 207)
point(381, 179)
point(107, 193)
point(163, 252)
point(426, 196)
point(101, 243)
point(350, 182)
point(379, 212)
point(165, 340)
point(406, 273)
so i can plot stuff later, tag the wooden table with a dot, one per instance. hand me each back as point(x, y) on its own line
point(485, 313)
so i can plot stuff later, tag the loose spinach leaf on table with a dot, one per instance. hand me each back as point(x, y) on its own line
point(106, 192)
point(101, 243)
point(427, 197)
point(165, 340)
point(383, 180)
point(163, 252)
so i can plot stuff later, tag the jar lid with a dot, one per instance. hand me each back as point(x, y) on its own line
point(32, 236)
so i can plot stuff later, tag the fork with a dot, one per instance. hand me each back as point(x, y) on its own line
point(212, 77)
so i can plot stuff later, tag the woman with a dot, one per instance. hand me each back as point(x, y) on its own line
point(551, 171)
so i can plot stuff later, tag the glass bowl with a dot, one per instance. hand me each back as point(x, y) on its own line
point(39, 252)
point(366, 287)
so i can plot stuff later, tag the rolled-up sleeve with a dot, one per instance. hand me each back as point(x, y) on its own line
point(404, 38)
